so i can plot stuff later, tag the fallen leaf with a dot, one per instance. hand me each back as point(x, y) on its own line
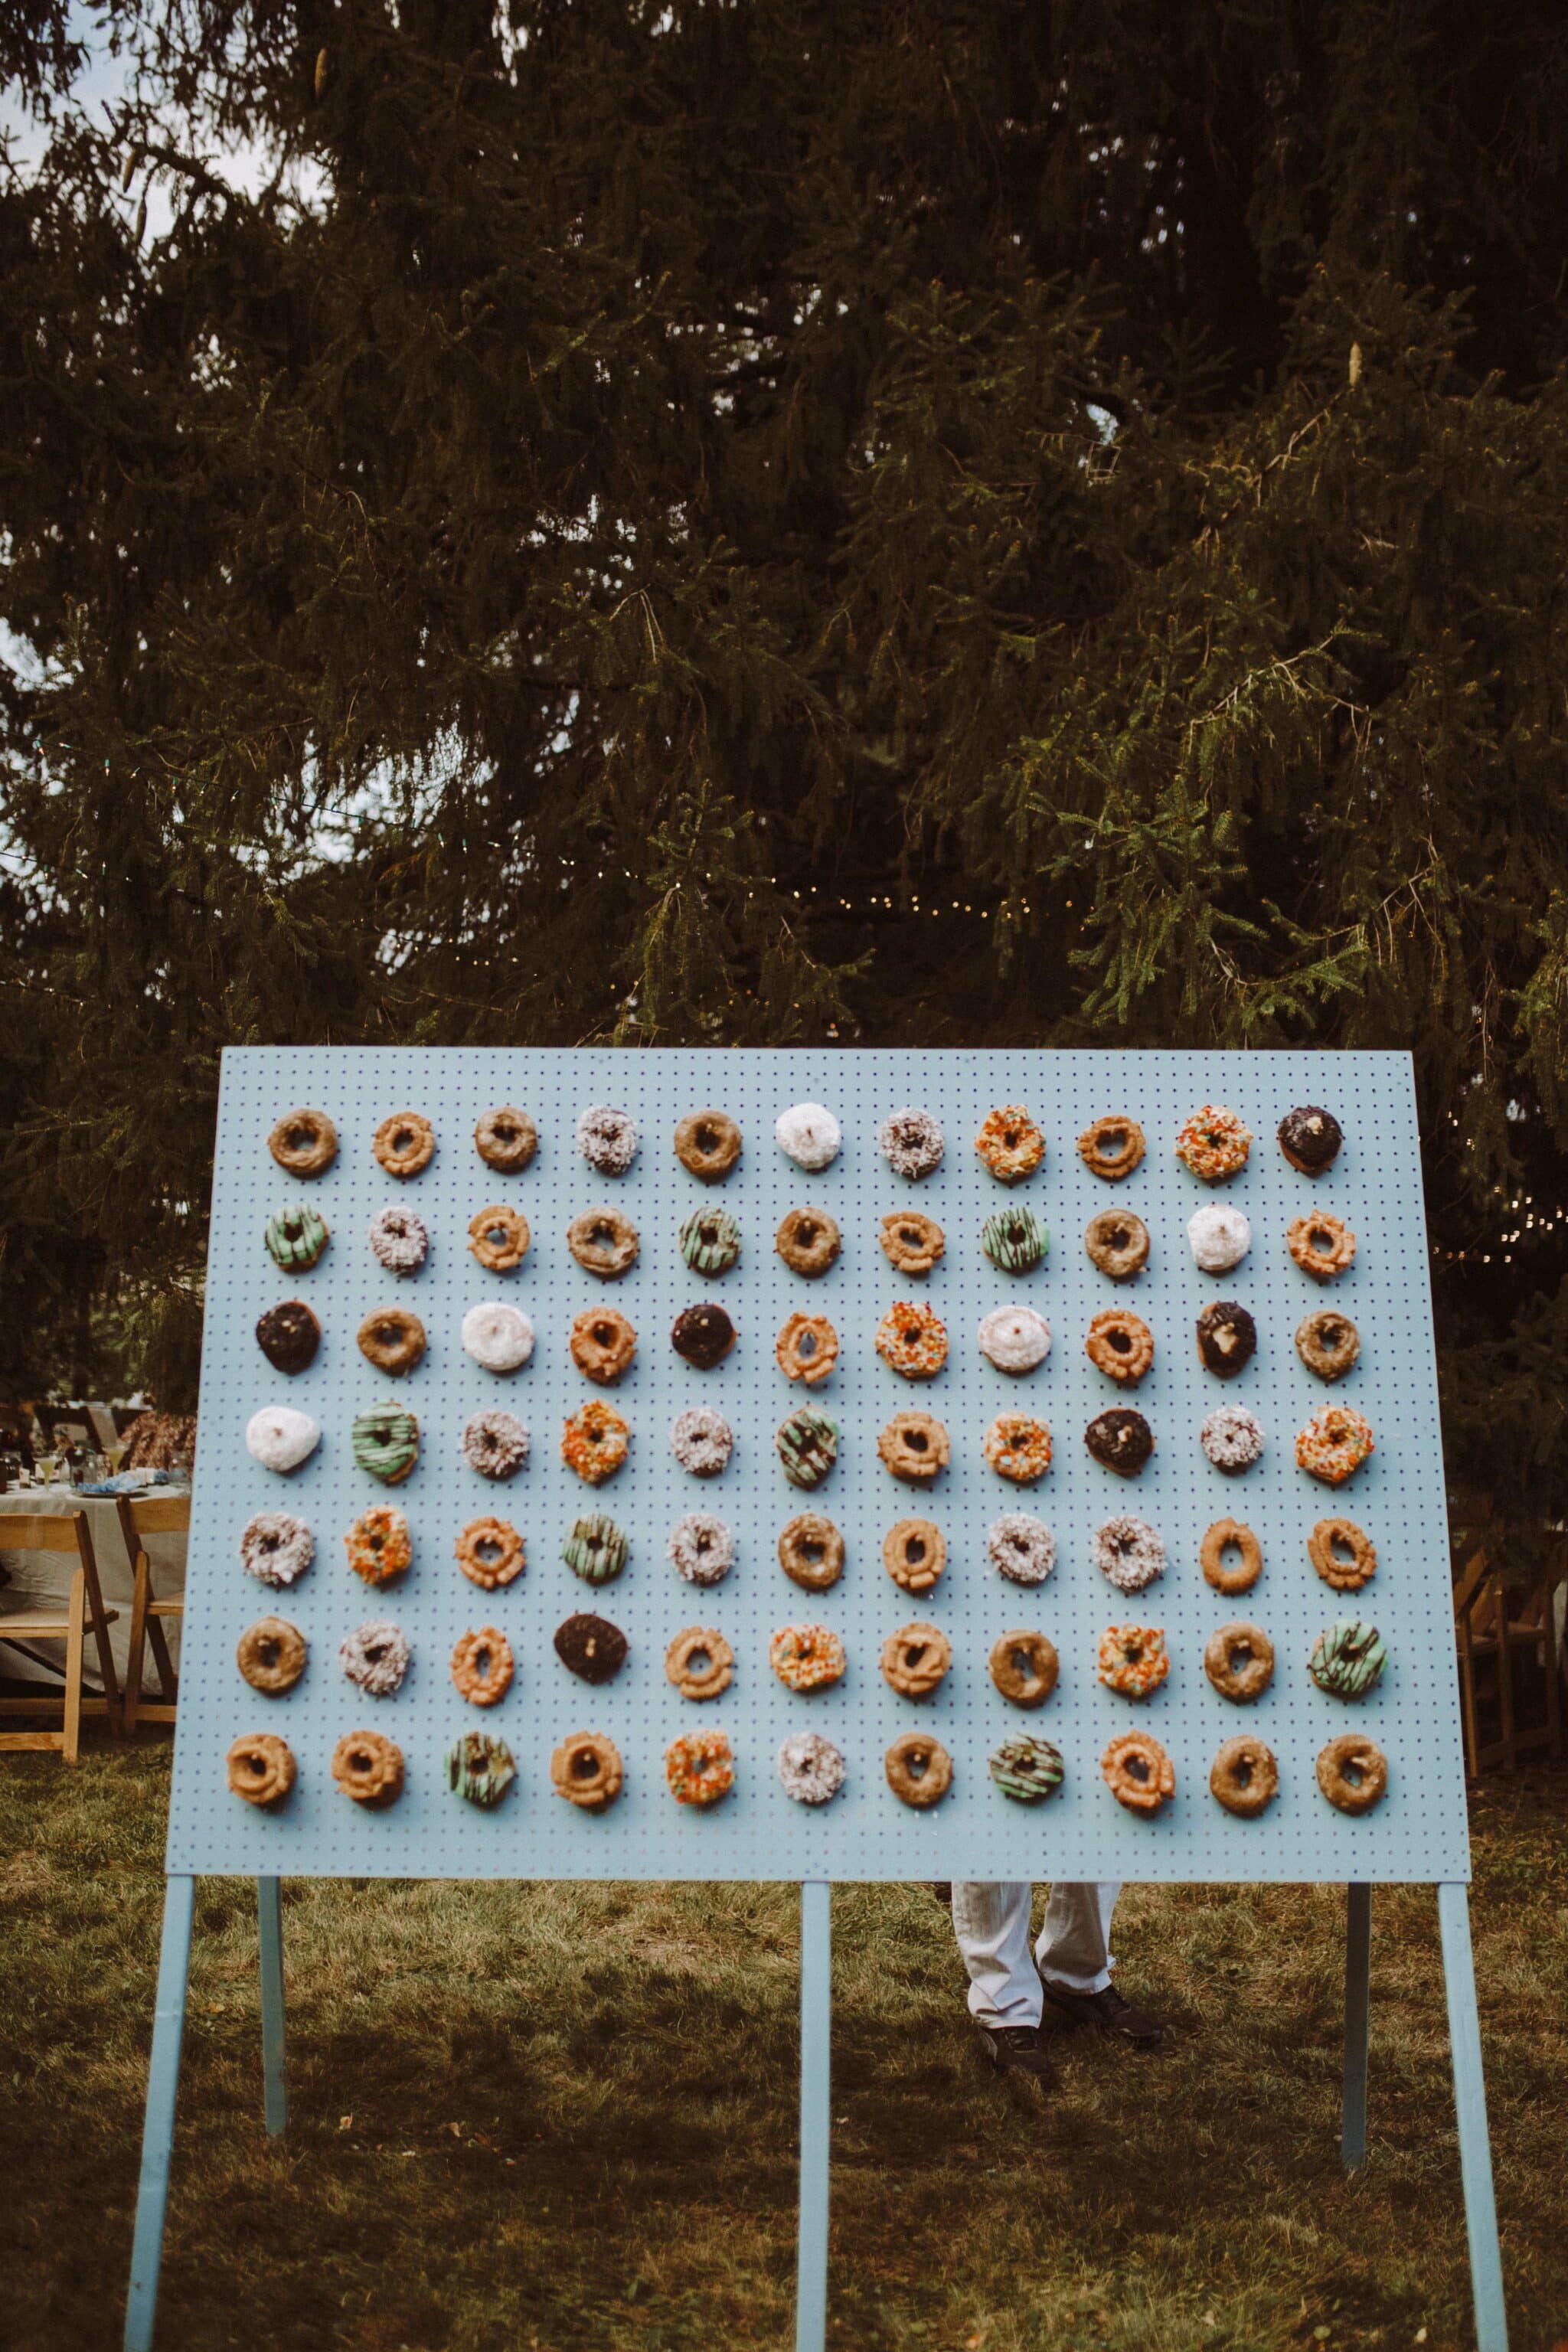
point(345, 2122)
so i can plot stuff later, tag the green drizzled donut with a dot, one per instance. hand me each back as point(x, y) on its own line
point(480, 1769)
point(710, 1241)
point(1027, 1769)
point(1016, 1240)
point(595, 1550)
point(385, 1442)
point(808, 1445)
point(296, 1237)
point(1347, 1660)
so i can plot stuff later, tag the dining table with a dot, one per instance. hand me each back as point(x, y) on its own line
point(33, 1581)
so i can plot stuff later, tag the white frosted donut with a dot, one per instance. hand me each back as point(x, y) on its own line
point(280, 1438)
point(1015, 1339)
point(608, 1139)
point(808, 1135)
point(1128, 1552)
point(1231, 1437)
point(811, 1767)
point(375, 1657)
point(398, 1241)
point(1219, 1237)
point(912, 1142)
point(276, 1548)
point(500, 1337)
point(701, 1441)
point(701, 1548)
point(1022, 1548)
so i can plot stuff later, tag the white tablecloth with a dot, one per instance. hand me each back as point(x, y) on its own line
point(41, 1579)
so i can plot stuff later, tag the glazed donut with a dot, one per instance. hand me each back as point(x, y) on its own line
point(1335, 1444)
point(1218, 1236)
point(710, 1241)
point(603, 1243)
point(808, 1240)
point(1324, 1545)
point(261, 1768)
point(701, 1549)
point(1111, 1148)
point(379, 1546)
point(914, 1554)
point(1133, 1659)
point(914, 1447)
point(1137, 1772)
point(1321, 1247)
point(368, 1766)
point(701, 1441)
point(915, 1659)
point(392, 1340)
point(590, 1647)
point(479, 1769)
point(809, 1136)
point(1021, 1547)
point(1015, 1239)
point(911, 1244)
point(499, 1238)
point(1128, 1553)
point(385, 1442)
point(912, 1142)
point(280, 1439)
point(482, 1666)
point(708, 1144)
point(296, 1237)
point(499, 1338)
point(1010, 1143)
point(1352, 1772)
point(1120, 1345)
point(305, 1144)
point(700, 1768)
point(608, 1139)
point(811, 1767)
point(490, 1552)
point(1244, 1776)
point(919, 1769)
point(700, 1663)
point(601, 1344)
point(399, 1241)
point(811, 1552)
point(1018, 1448)
point(271, 1655)
point(403, 1144)
point(495, 1444)
point(1238, 1660)
point(1232, 1438)
point(1328, 1343)
point(595, 1550)
point(1119, 1440)
point(1347, 1660)
point(586, 1770)
point(1015, 1339)
point(1229, 1535)
point(806, 1349)
point(375, 1655)
point(1214, 1143)
point(1027, 1769)
point(702, 1334)
point(1310, 1139)
point(913, 1340)
point(1228, 1339)
point(806, 1443)
point(594, 1441)
point(1118, 1244)
point(1023, 1667)
point(276, 1548)
point(506, 1138)
point(807, 1657)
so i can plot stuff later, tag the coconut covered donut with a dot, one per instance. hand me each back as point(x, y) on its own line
point(375, 1657)
point(811, 1767)
point(276, 1548)
point(701, 1441)
point(608, 1139)
point(399, 1241)
point(808, 1135)
point(1127, 1552)
point(1232, 1438)
point(701, 1549)
point(1021, 1547)
point(911, 1143)
point(495, 1444)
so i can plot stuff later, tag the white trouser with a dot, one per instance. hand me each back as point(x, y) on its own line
point(991, 1919)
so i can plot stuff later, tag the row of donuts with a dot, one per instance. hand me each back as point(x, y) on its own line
point(586, 1769)
point(606, 1242)
point(1213, 1143)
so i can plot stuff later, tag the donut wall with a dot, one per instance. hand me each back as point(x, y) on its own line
point(1090, 1570)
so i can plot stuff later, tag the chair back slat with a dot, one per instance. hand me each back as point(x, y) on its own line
point(158, 1514)
point(44, 1531)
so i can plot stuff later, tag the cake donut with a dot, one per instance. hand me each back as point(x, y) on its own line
point(1010, 1143)
point(912, 1142)
point(916, 1659)
point(808, 1135)
point(913, 1446)
point(595, 1440)
point(1021, 1547)
point(586, 1770)
point(1244, 1777)
point(1310, 1139)
point(806, 1349)
point(1238, 1660)
point(914, 1554)
point(1214, 1143)
point(1015, 1239)
point(913, 1340)
point(1018, 1448)
point(399, 1241)
point(385, 1442)
point(368, 1766)
point(1335, 1444)
point(403, 1144)
point(1328, 1343)
point(375, 1655)
point(808, 1240)
point(1322, 1246)
point(499, 1338)
point(289, 1336)
point(603, 1243)
point(806, 1443)
point(708, 1145)
point(499, 1238)
point(911, 1245)
point(700, 1663)
point(483, 1666)
point(1137, 1772)
point(276, 1548)
point(919, 1769)
point(701, 1549)
point(1218, 1236)
point(1227, 1535)
point(807, 1657)
point(1228, 1339)
point(495, 1444)
point(270, 1654)
point(1025, 1768)
point(261, 1768)
point(700, 1768)
point(1343, 1554)
point(601, 1344)
point(811, 1551)
point(1133, 1660)
point(1120, 1345)
point(490, 1552)
point(1347, 1660)
point(392, 1340)
point(1117, 1243)
point(1128, 1553)
point(703, 1336)
point(596, 1550)
point(305, 1143)
point(1119, 1440)
point(710, 1241)
point(701, 1441)
point(1352, 1772)
point(606, 1139)
point(507, 1140)
point(295, 1238)
point(480, 1769)
point(1232, 1438)
point(280, 1438)
point(1024, 1667)
point(810, 1768)
point(379, 1546)
point(1111, 1148)
point(590, 1647)
point(1015, 1339)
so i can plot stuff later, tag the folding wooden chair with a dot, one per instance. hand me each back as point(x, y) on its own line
point(61, 1531)
point(150, 1515)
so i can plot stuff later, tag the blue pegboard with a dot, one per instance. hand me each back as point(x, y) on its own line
point(1417, 1833)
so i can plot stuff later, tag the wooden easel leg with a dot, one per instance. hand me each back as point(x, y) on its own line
point(158, 2132)
point(269, 1916)
point(1470, 2106)
point(816, 2121)
point(1358, 2009)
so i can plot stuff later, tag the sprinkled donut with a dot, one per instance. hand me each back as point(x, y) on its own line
point(1133, 1660)
point(379, 1546)
point(490, 1552)
point(1310, 1139)
point(261, 1768)
point(1015, 1239)
point(1214, 1143)
point(593, 1440)
point(392, 1340)
point(1347, 1660)
point(1024, 1667)
point(1025, 1768)
point(608, 1139)
point(305, 1143)
point(919, 1769)
point(289, 1336)
point(1010, 1143)
point(399, 1241)
point(1117, 1242)
point(1335, 1444)
point(710, 1241)
point(1321, 1247)
point(1239, 1659)
point(1021, 1547)
point(1352, 1772)
point(914, 1554)
point(1232, 1438)
point(807, 1657)
point(295, 1238)
point(700, 1768)
point(708, 1145)
point(806, 1443)
point(701, 1549)
point(1120, 1345)
point(603, 1243)
point(276, 1548)
point(700, 1663)
point(1227, 1535)
point(915, 1659)
point(506, 1138)
point(1018, 1448)
point(586, 1770)
point(808, 1240)
point(1218, 1236)
point(1128, 1553)
point(482, 1666)
point(1137, 1772)
point(596, 1550)
point(911, 1143)
point(1244, 1777)
point(1228, 1339)
point(601, 1344)
point(1328, 1343)
point(385, 1442)
point(702, 1334)
point(912, 1340)
point(368, 1766)
point(701, 1441)
point(403, 1144)
point(1119, 1440)
point(375, 1655)
point(280, 1439)
point(806, 1349)
point(913, 1446)
point(499, 1238)
point(808, 1135)
point(1111, 1148)
point(1329, 1541)
point(811, 1551)
point(1015, 1339)
point(590, 1647)
point(810, 1768)
point(495, 1444)
point(911, 1244)
point(270, 1654)
point(499, 1338)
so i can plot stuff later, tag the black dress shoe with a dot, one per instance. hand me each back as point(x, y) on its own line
point(1108, 2012)
point(1017, 2051)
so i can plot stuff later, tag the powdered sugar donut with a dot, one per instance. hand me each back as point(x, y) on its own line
point(912, 1142)
point(280, 1438)
point(1015, 1339)
point(701, 1441)
point(1021, 1547)
point(500, 1337)
point(608, 1139)
point(811, 1767)
point(276, 1548)
point(398, 1241)
point(1219, 1237)
point(701, 1548)
point(375, 1657)
point(495, 1444)
point(809, 1136)
point(1128, 1552)
point(1231, 1437)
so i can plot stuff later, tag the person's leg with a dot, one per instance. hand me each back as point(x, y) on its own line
point(1074, 1949)
point(991, 1921)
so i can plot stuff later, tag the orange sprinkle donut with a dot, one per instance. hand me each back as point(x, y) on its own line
point(1335, 1444)
point(1018, 1448)
point(700, 1768)
point(1133, 1659)
point(912, 1340)
point(1214, 1144)
point(1010, 1144)
point(379, 1546)
point(594, 1441)
point(807, 1657)
point(490, 1552)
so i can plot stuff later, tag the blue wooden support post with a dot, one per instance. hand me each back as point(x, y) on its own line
point(1358, 2010)
point(815, 2120)
point(158, 2132)
point(1470, 2105)
point(275, 2080)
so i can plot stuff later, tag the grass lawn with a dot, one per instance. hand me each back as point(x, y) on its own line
point(557, 2117)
